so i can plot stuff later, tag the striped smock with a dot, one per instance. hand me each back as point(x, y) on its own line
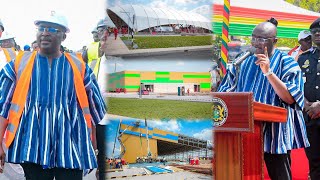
point(52, 130)
point(278, 137)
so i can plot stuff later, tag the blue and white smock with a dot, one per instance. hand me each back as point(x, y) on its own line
point(52, 130)
point(278, 137)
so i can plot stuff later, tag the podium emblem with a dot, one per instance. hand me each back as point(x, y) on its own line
point(219, 112)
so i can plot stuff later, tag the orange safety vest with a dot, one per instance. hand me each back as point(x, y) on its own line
point(9, 53)
point(23, 68)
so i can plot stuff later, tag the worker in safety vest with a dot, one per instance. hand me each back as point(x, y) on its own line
point(10, 170)
point(97, 61)
point(49, 108)
point(7, 47)
point(93, 54)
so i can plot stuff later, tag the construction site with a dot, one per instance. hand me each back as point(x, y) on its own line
point(146, 151)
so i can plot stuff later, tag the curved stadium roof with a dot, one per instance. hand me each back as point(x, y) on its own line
point(141, 17)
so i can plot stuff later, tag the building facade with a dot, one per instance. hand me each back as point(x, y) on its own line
point(159, 82)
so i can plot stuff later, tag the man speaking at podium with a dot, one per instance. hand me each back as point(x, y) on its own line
point(275, 79)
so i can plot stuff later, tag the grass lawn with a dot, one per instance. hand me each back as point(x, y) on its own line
point(159, 109)
point(148, 42)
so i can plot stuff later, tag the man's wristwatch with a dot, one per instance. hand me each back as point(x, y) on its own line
point(268, 73)
point(96, 152)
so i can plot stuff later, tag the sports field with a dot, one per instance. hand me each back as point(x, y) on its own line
point(149, 42)
point(159, 109)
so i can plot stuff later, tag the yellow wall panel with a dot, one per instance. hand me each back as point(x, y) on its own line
point(137, 147)
point(132, 81)
point(176, 75)
point(148, 75)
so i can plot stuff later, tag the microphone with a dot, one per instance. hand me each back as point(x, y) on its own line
point(240, 59)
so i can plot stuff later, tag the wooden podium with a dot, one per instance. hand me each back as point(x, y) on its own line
point(238, 151)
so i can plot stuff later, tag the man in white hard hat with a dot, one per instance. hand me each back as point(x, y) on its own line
point(94, 46)
point(304, 39)
point(1, 27)
point(92, 56)
point(7, 48)
point(94, 53)
point(10, 171)
point(50, 105)
point(7, 41)
point(97, 62)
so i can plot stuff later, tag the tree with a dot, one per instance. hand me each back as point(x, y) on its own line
point(287, 42)
point(312, 5)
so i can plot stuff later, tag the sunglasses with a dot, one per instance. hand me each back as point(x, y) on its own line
point(260, 40)
point(315, 30)
point(100, 30)
point(48, 29)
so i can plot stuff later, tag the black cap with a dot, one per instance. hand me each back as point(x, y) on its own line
point(315, 24)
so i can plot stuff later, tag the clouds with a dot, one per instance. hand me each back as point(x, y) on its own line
point(185, 1)
point(159, 4)
point(180, 63)
point(175, 4)
point(170, 125)
point(205, 134)
point(145, 64)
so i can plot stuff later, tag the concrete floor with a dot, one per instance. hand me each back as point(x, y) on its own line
point(171, 176)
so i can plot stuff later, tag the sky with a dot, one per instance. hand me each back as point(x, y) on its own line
point(183, 5)
point(201, 129)
point(18, 17)
point(116, 64)
point(185, 64)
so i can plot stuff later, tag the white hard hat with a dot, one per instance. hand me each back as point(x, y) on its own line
point(55, 19)
point(303, 34)
point(102, 23)
point(6, 36)
point(1, 25)
point(94, 30)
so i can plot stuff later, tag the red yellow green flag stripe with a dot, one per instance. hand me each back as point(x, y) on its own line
point(225, 36)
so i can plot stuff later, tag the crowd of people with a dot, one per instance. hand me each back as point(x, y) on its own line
point(51, 107)
point(115, 163)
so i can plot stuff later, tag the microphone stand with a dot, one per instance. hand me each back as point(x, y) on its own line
point(234, 86)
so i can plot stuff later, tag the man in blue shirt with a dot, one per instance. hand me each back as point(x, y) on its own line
point(53, 136)
point(275, 79)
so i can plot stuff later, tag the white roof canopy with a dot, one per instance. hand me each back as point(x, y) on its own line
point(141, 17)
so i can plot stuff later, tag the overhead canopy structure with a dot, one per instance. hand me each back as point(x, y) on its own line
point(159, 142)
point(245, 15)
point(184, 144)
point(109, 22)
point(140, 18)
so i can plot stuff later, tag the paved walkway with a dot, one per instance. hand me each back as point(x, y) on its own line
point(176, 175)
point(118, 48)
point(194, 98)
